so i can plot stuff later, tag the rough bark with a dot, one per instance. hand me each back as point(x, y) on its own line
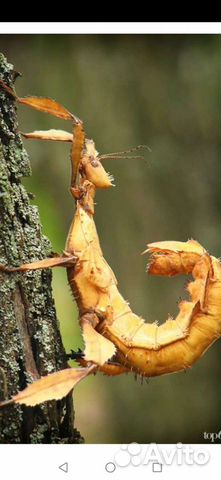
point(30, 341)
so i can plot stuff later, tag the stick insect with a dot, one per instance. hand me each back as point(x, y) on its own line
point(117, 340)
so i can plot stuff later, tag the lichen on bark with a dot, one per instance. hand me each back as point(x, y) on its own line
point(30, 341)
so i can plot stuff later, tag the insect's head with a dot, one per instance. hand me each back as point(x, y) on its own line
point(92, 168)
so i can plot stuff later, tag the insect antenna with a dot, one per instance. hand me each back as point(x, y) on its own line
point(112, 157)
point(124, 153)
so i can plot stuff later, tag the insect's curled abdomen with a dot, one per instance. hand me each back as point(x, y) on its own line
point(155, 350)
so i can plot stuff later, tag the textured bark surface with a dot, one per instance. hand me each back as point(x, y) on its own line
point(30, 342)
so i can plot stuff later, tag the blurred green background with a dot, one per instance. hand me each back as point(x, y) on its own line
point(159, 90)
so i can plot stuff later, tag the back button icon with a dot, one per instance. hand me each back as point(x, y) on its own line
point(64, 467)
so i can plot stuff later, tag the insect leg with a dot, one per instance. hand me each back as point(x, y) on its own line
point(109, 368)
point(40, 264)
point(51, 387)
point(98, 349)
point(78, 144)
point(52, 134)
point(77, 138)
point(41, 104)
point(47, 105)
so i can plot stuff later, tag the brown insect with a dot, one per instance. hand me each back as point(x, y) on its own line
point(116, 339)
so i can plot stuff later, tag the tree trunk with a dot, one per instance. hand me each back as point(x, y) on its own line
point(30, 341)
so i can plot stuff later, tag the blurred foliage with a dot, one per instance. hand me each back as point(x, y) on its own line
point(159, 90)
